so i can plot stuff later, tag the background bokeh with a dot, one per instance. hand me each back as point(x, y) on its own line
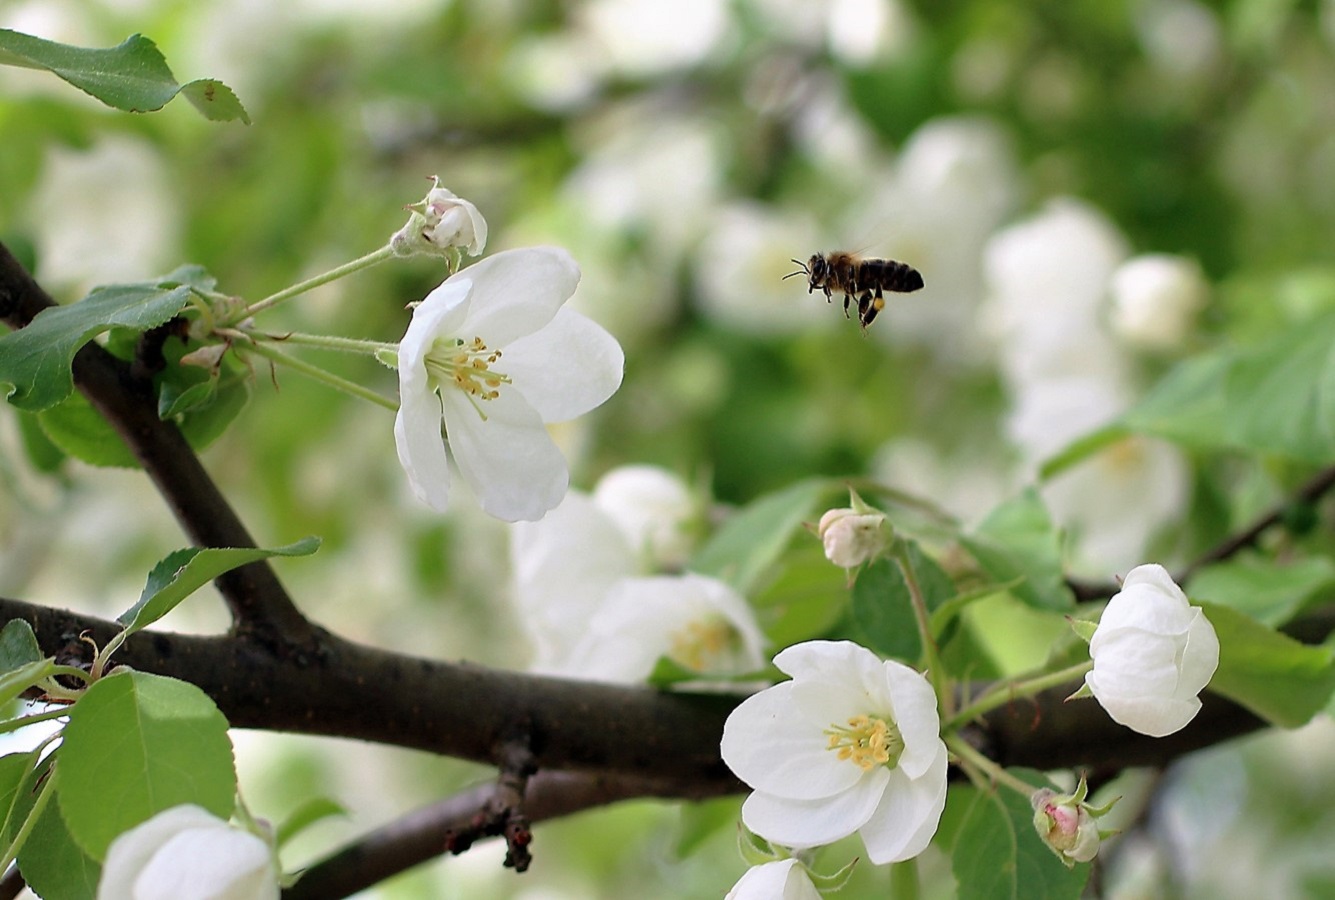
point(1019, 155)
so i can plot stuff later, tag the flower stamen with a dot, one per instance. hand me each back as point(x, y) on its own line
point(467, 366)
point(869, 741)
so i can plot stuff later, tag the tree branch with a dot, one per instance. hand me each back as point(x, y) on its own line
point(258, 602)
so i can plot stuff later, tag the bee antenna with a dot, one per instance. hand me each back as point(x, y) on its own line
point(802, 271)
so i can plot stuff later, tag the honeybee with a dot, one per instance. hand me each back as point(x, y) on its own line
point(852, 275)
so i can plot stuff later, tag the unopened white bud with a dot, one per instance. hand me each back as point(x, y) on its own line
point(442, 222)
point(852, 538)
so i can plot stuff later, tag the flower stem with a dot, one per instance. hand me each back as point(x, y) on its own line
point(25, 721)
point(319, 374)
point(1004, 693)
point(976, 762)
point(302, 287)
point(323, 341)
point(931, 653)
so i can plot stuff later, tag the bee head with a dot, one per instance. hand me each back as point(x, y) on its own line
point(804, 270)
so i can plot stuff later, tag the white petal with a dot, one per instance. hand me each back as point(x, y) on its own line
point(1155, 576)
point(809, 823)
point(566, 369)
point(213, 863)
point(909, 812)
point(782, 879)
point(568, 560)
point(1154, 716)
point(912, 703)
point(838, 662)
point(775, 740)
point(508, 460)
point(420, 446)
point(131, 851)
point(517, 292)
point(439, 315)
point(1200, 658)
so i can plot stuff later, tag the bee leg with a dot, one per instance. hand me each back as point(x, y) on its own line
point(868, 306)
point(846, 299)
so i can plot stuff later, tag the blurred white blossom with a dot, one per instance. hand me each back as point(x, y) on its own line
point(1048, 280)
point(568, 565)
point(1153, 654)
point(954, 182)
point(697, 622)
point(851, 743)
point(1155, 300)
point(493, 353)
point(646, 37)
point(740, 268)
point(655, 509)
point(187, 853)
point(649, 171)
point(105, 214)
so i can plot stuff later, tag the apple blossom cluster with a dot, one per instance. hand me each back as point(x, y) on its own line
point(599, 593)
point(494, 354)
point(186, 852)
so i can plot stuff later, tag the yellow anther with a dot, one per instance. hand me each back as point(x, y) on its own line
point(467, 365)
point(868, 741)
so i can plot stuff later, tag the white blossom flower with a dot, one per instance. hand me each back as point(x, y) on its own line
point(698, 622)
point(187, 853)
point(441, 221)
point(783, 879)
point(1155, 299)
point(492, 351)
point(1153, 654)
point(851, 743)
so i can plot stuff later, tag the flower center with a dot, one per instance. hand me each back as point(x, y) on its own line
point(869, 741)
point(702, 643)
point(468, 367)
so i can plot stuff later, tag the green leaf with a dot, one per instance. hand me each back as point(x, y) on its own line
point(16, 770)
point(700, 821)
point(18, 645)
point(149, 743)
point(80, 431)
point(36, 360)
point(1278, 397)
point(997, 854)
point(1017, 540)
point(181, 573)
point(305, 816)
point(1269, 591)
point(132, 76)
point(1281, 680)
point(1081, 449)
point(18, 680)
point(883, 608)
point(44, 455)
point(754, 539)
point(53, 863)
